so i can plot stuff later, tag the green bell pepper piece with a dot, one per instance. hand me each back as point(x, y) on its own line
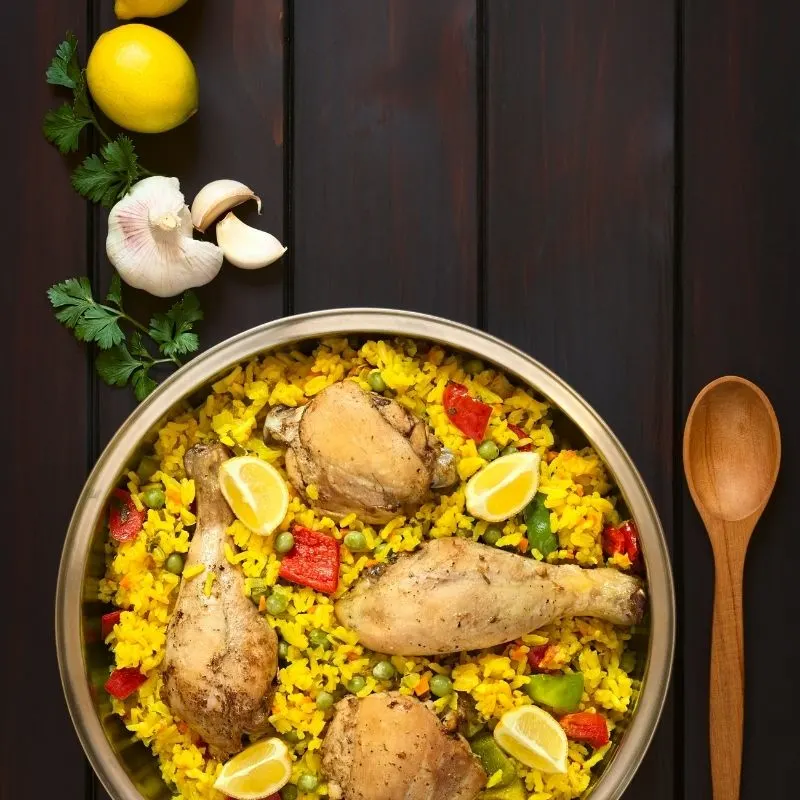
point(537, 520)
point(560, 692)
point(492, 758)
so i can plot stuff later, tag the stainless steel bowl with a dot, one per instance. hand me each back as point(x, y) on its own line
point(126, 768)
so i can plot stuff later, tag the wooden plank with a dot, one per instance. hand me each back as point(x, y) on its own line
point(579, 224)
point(741, 126)
point(385, 148)
point(46, 457)
point(237, 48)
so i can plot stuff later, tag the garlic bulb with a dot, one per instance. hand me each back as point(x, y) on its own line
point(246, 247)
point(217, 197)
point(150, 240)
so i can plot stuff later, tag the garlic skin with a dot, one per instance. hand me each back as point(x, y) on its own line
point(246, 247)
point(217, 197)
point(150, 240)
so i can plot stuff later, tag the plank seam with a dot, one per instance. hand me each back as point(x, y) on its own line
point(93, 271)
point(482, 181)
point(677, 379)
point(288, 157)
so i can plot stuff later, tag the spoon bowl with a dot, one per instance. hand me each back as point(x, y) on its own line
point(731, 456)
point(733, 465)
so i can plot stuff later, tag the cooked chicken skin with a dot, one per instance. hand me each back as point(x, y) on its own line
point(455, 594)
point(391, 747)
point(221, 655)
point(364, 453)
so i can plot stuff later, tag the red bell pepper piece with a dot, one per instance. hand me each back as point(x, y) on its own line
point(124, 519)
point(108, 621)
point(313, 561)
point(522, 435)
point(624, 539)
point(124, 682)
point(468, 415)
point(536, 655)
point(584, 726)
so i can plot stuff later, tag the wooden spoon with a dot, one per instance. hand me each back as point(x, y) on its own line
point(731, 455)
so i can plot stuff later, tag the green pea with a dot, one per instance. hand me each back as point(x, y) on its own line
point(325, 701)
point(154, 498)
point(283, 650)
point(473, 366)
point(383, 671)
point(356, 542)
point(441, 685)
point(289, 792)
point(376, 382)
point(508, 450)
point(307, 783)
point(284, 542)
point(319, 638)
point(174, 563)
point(491, 535)
point(356, 684)
point(537, 520)
point(147, 468)
point(277, 603)
point(488, 450)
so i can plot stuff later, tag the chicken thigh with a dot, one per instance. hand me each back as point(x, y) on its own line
point(221, 655)
point(455, 594)
point(391, 747)
point(364, 453)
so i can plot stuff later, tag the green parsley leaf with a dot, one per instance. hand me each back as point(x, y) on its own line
point(107, 178)
point(73, 297)
point(99, 325)
point(173, 331)
point(78, 311)
point(116, 365)
point(114, 296)
point(143, 384)
point(63, 128)
point(64, 70)
point(137, 346)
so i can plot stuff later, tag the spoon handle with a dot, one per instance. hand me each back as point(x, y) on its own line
point(727, 671)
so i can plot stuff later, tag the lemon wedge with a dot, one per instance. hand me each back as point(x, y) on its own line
point(256, 493)
point(533, 737)
point(503, 487)
point(257, 772)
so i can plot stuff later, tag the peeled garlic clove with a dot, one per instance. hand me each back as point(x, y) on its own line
point(217, 197)
point(246, 247)
point(150, 240)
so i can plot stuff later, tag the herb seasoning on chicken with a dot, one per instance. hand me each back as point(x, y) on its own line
point(391, 747)
point(364, 453)
point(221, 655)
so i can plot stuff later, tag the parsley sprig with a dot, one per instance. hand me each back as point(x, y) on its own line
point(104, 178)
point(126, 358)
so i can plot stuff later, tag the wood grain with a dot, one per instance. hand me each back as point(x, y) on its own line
point(44, 226)
point(579, 261)
point(741, 125)
point(385, 178)
point(731, 457)
point(237, 47)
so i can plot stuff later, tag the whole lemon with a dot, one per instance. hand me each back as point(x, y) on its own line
point(128, 9)
point(142, 79)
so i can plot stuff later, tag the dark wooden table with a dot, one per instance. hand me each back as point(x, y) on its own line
point(608, 184)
